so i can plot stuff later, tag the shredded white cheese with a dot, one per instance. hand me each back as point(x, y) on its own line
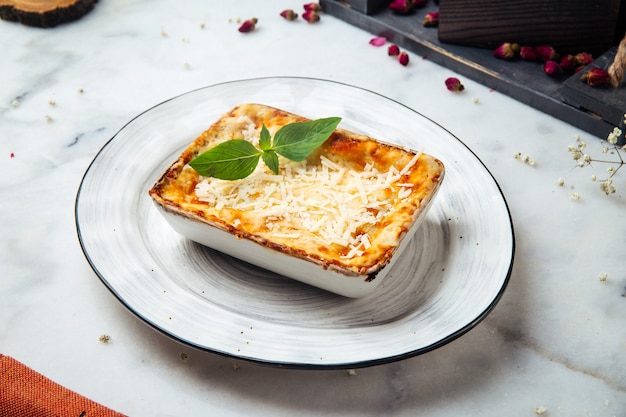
point(329, 201)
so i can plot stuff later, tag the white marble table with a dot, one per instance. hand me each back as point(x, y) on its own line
point(554, 345)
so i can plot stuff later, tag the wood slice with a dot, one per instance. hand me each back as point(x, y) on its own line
point(44, 13)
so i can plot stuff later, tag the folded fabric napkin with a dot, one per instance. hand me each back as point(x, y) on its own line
point(26, 393)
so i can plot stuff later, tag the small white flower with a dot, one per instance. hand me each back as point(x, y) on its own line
point(607, 186)
point(594, 178)
point(614, 135)
point(576, 153)
point(560, 182)
point(574, 196)
point(525, 159)
point(15, 103)
point(603, 277)
point(540, 410)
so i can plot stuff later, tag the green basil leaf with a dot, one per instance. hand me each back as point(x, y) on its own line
point(265, 141)
point(271, 160)
point(296, 141)
point(231, 160)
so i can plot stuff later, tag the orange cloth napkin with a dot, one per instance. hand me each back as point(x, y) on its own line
point(26, 393)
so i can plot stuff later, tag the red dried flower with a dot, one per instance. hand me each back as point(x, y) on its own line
point(289, 14)
point(378, 41)
point(527, 53)
point(546, 53)
point(311, 16)
point(404, 6)
point(506, 51)
point(403, 58)
point(551, 68)
point(314, 7)
point(248, 25)
point(393, 50)
point(12, 155)
point(431, 19)
point(583, 58)
point(454, 84)
point(595, 77)
point(569, 63)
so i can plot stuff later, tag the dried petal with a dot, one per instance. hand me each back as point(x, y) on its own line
point(569, 63)
point(404, 6)
point(311, 16)
point(378, 41)
point(546, 53)
point(583, 58)
point(527, 53)
point(595, 77)
point(248, 25)
point(431, 19)
point(506, 51)
point(454, 84)
point(551, 68)
point(289, 14)
point(403, 58)
point(393, 50)
point(314, 7)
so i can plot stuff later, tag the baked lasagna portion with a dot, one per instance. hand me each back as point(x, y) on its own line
point(347, 207)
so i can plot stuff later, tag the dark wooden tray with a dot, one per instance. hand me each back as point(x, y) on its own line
point(594, 110)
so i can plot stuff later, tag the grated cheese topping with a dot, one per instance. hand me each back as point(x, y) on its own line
point(333, 204)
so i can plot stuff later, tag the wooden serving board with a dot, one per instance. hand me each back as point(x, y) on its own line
point(567, 25)
point(521, 80)
point(44, 13)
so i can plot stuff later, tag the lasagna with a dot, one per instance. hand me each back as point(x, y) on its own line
point(346, 208)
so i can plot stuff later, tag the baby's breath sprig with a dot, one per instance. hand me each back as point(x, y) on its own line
point(611, 146)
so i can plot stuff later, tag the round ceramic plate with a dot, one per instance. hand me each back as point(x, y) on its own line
point(448, 279)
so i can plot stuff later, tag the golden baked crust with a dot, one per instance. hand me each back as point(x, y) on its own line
point(351, 217)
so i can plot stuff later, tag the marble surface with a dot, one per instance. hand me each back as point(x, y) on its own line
point(555, 344)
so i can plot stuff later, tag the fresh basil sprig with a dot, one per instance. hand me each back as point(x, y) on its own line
point(237, 158)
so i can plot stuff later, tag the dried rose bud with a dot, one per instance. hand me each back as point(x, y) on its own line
point(403, 58)
point(527, 53)
point(393, 50)
point(312, 7)
point(595, 77)
point(403, 6)
point(431, 19)
point(546, 53)
point(551, 68)
point(311, 16)
point(454, 84)
point(506, 51)
point(289, 14)
point(378, 41)
point(569, 63)
point(248, 25)
point(583, 58)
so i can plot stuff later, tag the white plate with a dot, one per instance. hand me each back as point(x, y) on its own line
point(448, 279)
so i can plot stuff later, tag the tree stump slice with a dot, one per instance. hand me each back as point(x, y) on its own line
point(44, 13)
